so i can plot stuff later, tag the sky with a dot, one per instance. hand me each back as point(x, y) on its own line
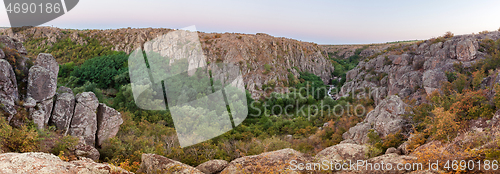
point(319, 21)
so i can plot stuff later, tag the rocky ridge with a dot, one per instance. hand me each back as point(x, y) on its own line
point(408, 72)
point(252, 53)
point(418, 68)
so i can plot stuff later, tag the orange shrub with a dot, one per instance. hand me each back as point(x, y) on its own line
point(445, 126)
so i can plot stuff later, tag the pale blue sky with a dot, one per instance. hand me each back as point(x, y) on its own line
point(323, 22)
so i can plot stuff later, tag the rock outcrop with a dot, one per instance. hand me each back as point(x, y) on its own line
point(87, 151)
point(152, 163)
point(8, 88)
point(84, 122)
point(415, 69)
point(342, 152)
point(212, 166)
point(254, 52)
point(63, 109)
point(42, 83)
point(37, 94)
point(41, 113)
point(432, 80)
point(108, 123)
point(48, 62)
point(13, 43)
point(48, 164)
point(270, 162)
point(385, 119)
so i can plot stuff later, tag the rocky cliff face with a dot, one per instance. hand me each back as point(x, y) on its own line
point(414, 69)
point(252, 53)
point(407, 72)
point(385, 119)
point(12, 60)
point(8, 88)
point(78, 116)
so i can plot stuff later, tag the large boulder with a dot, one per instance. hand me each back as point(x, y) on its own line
point(84, 122)
point(466, 50)
point(42, 83)
point(281, 161)
point(41, 113)
point(44, 163)
point(8, 88)
point(385, 119)
point(212, 166)
point(152, 163)
point(84, 150)
point(63, 109)
point(87, 151)
point(342, 152)
point(108, 123)
point(48, 62)
point(433, 80)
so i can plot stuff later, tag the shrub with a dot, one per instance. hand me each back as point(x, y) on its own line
point(484, 32)
point(392, 140)
point(373, 138)
point(471, 105)
point(5, 131)
point(64, 144)
point(387, 61)
point(448, 34)
point(372, 151)
point(267, 68)
point(445, 126)
point(451, 76)
point(437, 40)
point(24, 139)
point(461, 83)
point(477, 79)
point(416, 141)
